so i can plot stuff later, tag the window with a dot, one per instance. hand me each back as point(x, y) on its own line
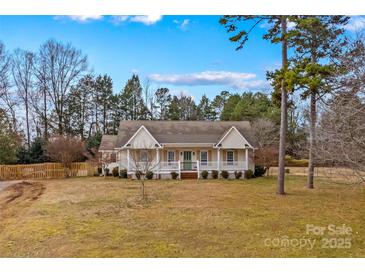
point(203, 157)
point(143, 156)
point(171, 156)
point(230, 157)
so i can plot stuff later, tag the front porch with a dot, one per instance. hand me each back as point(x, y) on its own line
point(162, 168)
point(163, 161)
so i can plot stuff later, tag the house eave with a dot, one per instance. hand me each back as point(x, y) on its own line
point(187, 144)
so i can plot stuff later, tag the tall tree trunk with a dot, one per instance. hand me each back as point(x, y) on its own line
point(60, 124)
point(45, 114)
point(312, 139)
point(104, 118)
point(96, 116)
point(82, 126)
point(283, 121)
point(27, 118)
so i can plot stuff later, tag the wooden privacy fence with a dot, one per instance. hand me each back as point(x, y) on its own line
point(43, 171)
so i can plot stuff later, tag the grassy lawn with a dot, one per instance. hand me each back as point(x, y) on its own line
point(93, 217)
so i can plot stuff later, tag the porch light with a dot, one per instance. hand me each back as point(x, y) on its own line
point(128, 145)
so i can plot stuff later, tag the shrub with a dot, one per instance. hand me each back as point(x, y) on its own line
point(138, 174)
point(225, 174)
point(115, 172)
point(205, 174)
point(123, 174)
point(107, 171)
point(238, 174)
point(149, 175)
point(248, 174)
point(259, 171)
point(174, 175)
point(215, 174)
point(100, 170)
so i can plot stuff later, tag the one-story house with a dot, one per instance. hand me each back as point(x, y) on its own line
point(186, 147)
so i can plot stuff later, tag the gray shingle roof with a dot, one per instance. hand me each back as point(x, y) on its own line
point(108, 142)
point(178, 132)
point(197, 132)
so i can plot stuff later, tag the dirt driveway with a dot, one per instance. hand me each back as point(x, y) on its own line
point(5, 184)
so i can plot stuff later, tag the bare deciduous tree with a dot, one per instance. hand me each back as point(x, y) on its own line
point(341, 132)
point(4, 69)
point(143, 162)
point(22, 70)
point(60, 68)
point(65, 150)
point(267, 137)
point(7, 98)
point(105, 159)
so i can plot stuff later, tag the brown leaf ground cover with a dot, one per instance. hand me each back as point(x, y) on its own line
point(96, 217)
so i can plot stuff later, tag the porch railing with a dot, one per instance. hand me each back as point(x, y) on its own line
point(233, 165)
point(167, 167)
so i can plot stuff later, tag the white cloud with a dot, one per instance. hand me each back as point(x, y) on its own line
point(183, 25)
point(237, 80)
point(119, 18)
point(181, 92)
point(266, 25)
point(356, 23)
point(80, 18)
point(144, 19)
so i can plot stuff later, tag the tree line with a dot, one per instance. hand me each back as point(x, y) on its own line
point(51, 92)
point(317, 62)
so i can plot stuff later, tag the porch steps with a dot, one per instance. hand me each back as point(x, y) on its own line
point(189, 175)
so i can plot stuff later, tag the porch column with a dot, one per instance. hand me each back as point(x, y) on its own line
point(246, 156)
point(219, 160)
point(119, 161)
point(158, 162)
point(198, 169)
point(179, 164)
point(128, 158)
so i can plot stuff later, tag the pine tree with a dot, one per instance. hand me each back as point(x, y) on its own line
point(187, 108)
point(316, 39)
point(277, 33)
point(229, 107)
point(218, 104)
point(104, 90)
point(9, 140)
point(163, 100)
point(131, 100)
point(79, 107)
point(205, 109)
point(174, 109)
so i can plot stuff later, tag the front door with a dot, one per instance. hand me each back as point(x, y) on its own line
point(187, 164)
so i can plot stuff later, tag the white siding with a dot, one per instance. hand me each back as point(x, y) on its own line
point(142, 140)
point(233, 140)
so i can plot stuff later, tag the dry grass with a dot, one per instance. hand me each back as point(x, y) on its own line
point(93, 217)
point(345, 175)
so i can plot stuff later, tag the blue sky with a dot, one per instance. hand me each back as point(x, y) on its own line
point(190, 54)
